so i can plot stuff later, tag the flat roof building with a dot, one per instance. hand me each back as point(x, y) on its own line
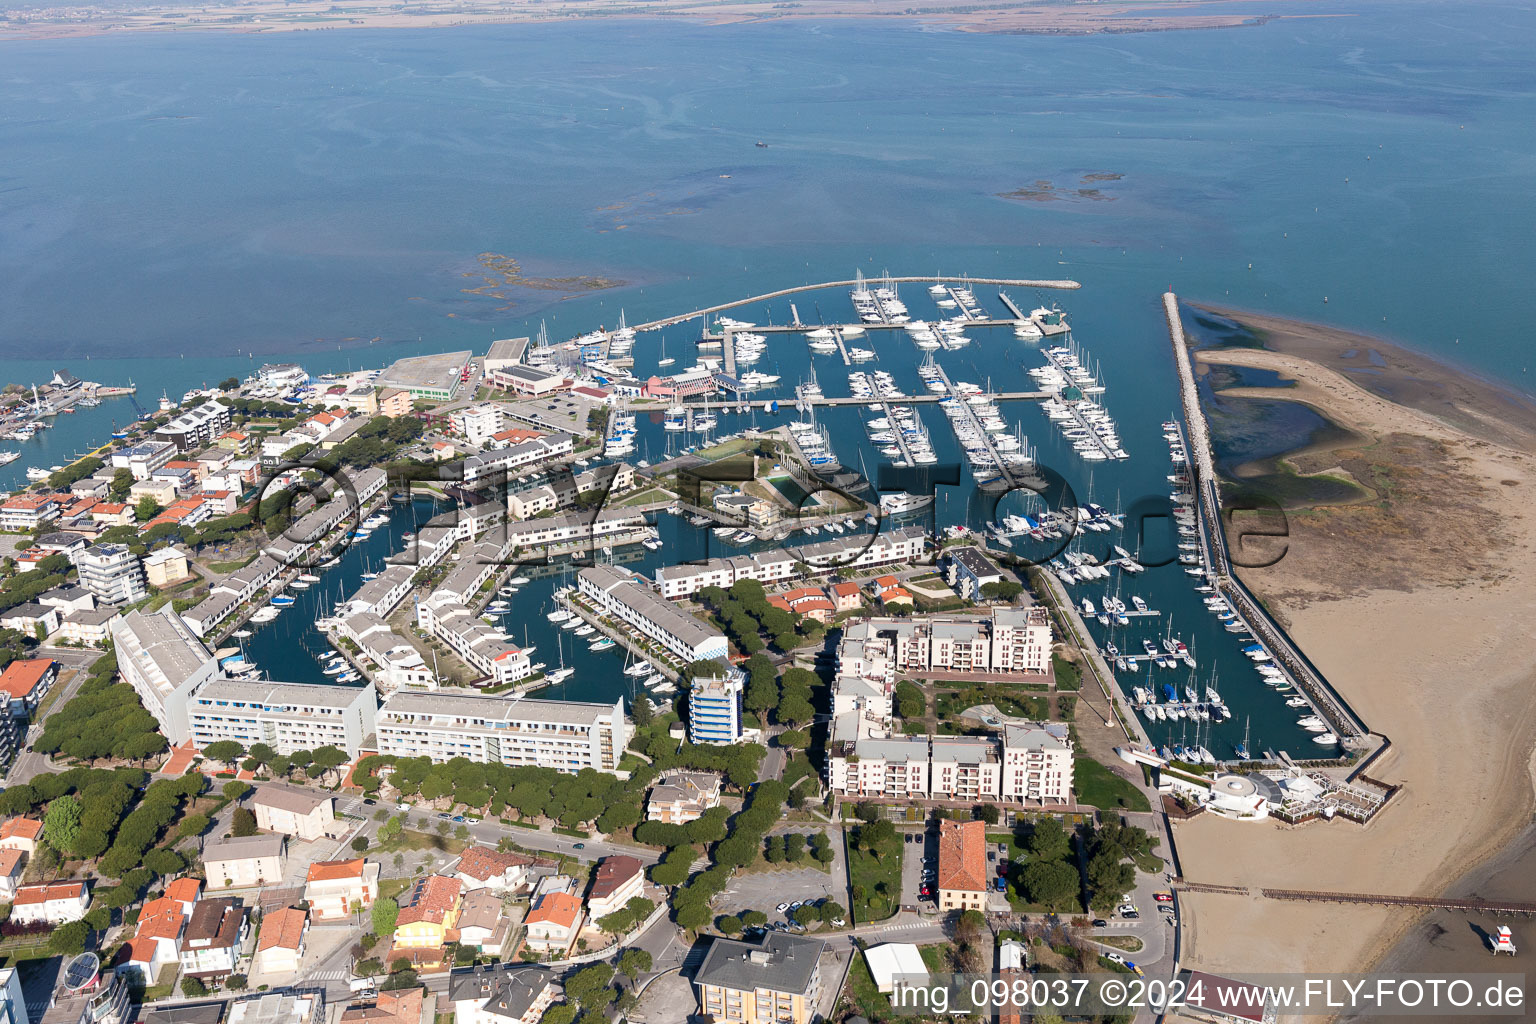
point(565, 735)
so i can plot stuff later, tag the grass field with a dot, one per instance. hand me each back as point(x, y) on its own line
point(881, 867)
point(1098, 787)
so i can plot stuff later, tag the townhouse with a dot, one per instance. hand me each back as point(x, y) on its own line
point(617, 594)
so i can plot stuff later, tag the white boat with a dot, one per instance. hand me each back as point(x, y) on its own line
point(559, 615)
point(1326, 738)
point(601, 644)
point(585, 630)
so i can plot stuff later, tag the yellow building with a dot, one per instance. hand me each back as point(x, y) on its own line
point(429, 916)
point(775, 980)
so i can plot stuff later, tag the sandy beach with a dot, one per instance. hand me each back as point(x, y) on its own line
point(1417, 604)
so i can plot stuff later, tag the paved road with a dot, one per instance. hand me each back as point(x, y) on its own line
point(28, 765)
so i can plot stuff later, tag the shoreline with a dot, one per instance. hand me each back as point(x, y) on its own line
point(1422, 633)
point(1111, 17)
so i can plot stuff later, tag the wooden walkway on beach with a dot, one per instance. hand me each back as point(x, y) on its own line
point(1470, 904)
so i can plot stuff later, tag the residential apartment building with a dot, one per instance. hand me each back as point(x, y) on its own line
point(553, 923)
point(1037, 763)
point(504, 993)
point(215, 931)
point(245, 861)
point(968, 569)
point(1007, 640)
point(774, 980)
point(715, 707)
point(28, 511)
point(565, 735)
point(1028, 763)
point(113, 573)
point(494, 465)
point(50, 903)
point(680, 797)
point(285, 716)
point(158, 655)
point(197, 427)
point(144, 458)
point(333, 887)
point(617, 881)
point(300, 813)
point(618, 595)
point(904, 545)
point(25, 682)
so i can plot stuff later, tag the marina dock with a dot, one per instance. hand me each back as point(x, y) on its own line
point(1060, 284)
point(1215, 557)
point(974, 421)
point(901, 440)
point(1018, 313)
point(651, 405)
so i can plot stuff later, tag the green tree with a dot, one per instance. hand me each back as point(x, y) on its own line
point(192, 988)
point(807, 916)
point(360, 844)
point(122, 483)
point(69, 939)
point(1049, 841)
point(225, 751)
point(385, 912)
point(1051, 883)
point(753, 919)
point(61, 823)
point(833, 912)
point(988, 813)
point(634, 962)
point(235, 790)
point(590, 987)
point(146, 509)
point(243, 822)
point(559, 1013)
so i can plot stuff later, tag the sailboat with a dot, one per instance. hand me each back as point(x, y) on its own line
point(1242, 748)
point(562, 673)
point(665, 359)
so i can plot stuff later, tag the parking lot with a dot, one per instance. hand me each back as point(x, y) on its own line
point(766, 890)
point(915, 846)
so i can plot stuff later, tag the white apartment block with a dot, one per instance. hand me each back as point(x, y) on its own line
point(1028, 763)
point(286, 716)
point(618, 595)
point(904, 545)
point(477, 423)
point(490, 465)
point(565, 735)
point(158, 655)
point(1011, 640)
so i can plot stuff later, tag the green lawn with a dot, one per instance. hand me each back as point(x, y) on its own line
point(409, 839)
point(869, 869)
point(1098, 787)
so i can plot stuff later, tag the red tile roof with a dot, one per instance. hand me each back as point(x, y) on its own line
point(49, 891)
point(558, 908)
point(335, 870)
point(482, 862)
point(282, 929)
point(25, 828)
point(963, 855)
point(431, 900)
point(612, 874)
point(20, 678)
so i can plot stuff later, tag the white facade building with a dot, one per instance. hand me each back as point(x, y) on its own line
point(565, 735)
point(617, 594)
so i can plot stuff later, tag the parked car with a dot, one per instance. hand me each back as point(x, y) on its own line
point(783, 908)
point(1163, 897)
point(1099, 922)
point(446, 816)
point(1131, 915)
point(1124, 907)
point(1114, 958)
point(458, 817)
point(579, 846)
